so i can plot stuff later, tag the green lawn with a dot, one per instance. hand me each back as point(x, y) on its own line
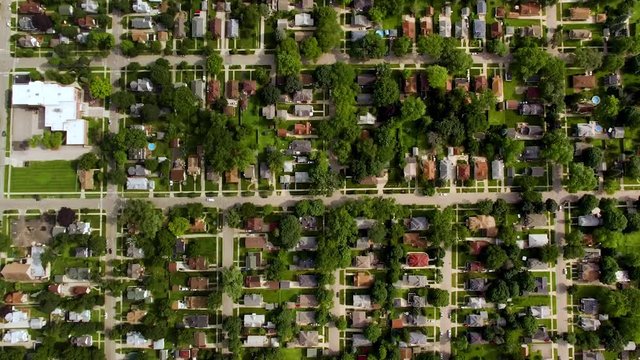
point(44, 176)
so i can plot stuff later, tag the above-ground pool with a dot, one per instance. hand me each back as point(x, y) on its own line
point(595, 100)
point(598, 128)
point(151, 146)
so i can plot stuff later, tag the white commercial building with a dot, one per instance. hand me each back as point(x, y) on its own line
point(61, 104)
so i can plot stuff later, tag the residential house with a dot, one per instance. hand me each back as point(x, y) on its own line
point(579, 13)
point(476, 302)
point(480, 169)
point(444, 26)
point(479, 29)
point(584, 82)
point(215, 27)
point(413, 239)
point(589, 324)
point(362, 5)
point(612, 80)
point(497, 170)
point(476, 320)
point(538, 240)
point(303, 110)
point(497, 88)
point(589, 306)
point(358, 340)
point(307, 281)
point(486, 223)
point(138, 294)
point(304, 318)
point(255, 242)
point(588, 272)
point(359, 319)
point(426, 25)
point(476, 284)
point(65, 10)
point(253, 260)
point(142, 23)
point(463, 172)
point(213, 91)
point(580, 34)
point(308, 338)
point(254, 320)
point(233, 29)
point(409, 27)
point(417, 260)
point(362, 301)
point(28, 269)
point(198, 88)
point(481, 7)
point(447, 169)
point(363, 279)
point(196, 321)
point(531, 31)
point(303, 20)
point(540, 312)
point(198, 283)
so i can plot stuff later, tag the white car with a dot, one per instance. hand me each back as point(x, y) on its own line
point(211, 199)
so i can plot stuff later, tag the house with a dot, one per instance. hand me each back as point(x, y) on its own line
point(253, 320)
point(362, 301)
point(497, 170)
point(359, 319)
point(62, 107)
point(584, 82)
point(444, 26)
point(141, 7)
point(428, 169)
point(304, 318)
point(65, 10)
point(410, 169)
point(589, 220)
point(580, 34)
point(308, 338)
point(417, 339)
point(531, 153)
point(87, 22)
point(196, 321)
point(28, 41)
point(426, 25)
point(90, 6)
point(579, 13)
point(138, 294)
point(497, 88)
point(199, 26)
point(362, 5)
point(16, 336)
point(141, 85)
point(364, 80)
point(215, 27)
point(233, 28)
point(419, 223)
point(480, 83)
point(538, 240)
point(363, 279)
point(479, 29)
point(531, 31)
point(367, 119)
point(476, 284)
point(30, 7)
point(303, 110)
point(198, 88)
point(480, 169)
point(589, 324)
point(198, 283)
point(413, 239)
point(477, 247)
point(447, 169)
point(589, 306)
point(309, 281)
point(414, 280)
point(588, 271)
point(529, 9)
point(142, 23)
point(476, 320)
point(481, 7)
point(540, 312)
point(409, 27)
point(463, 172)
point(486, 223)
point(139, 36)
point(476, 302)
point(253, 260)
point(303, 19)
point(249, 87)
point(528, 109)
point(411, 84)
point(593, 355)
point(461, 29)
point(612, 80)
point(299, 147)
point(418, 260)
point(29, 269)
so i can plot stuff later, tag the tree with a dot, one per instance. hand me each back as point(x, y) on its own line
point(588, 340)
point(310, 49)
point(495, 257)
point(179, 226)
point(232, 282)
point(150, 112)
point(373, 332)
point(588, 58)
point(413, 108)
point(275, 160)
point(262, 76)
point(328, 30)
point(485, 207)
point(371, 46)
point(549, 253)
point(379, 292)
point(573, 248)
point(292, 84)
point(100, 87)
point(269, 94)
point(289, 232)
point(456, 60)
point(185, 103)
point(288, 61)
point(385, 91)
point(323, 180)
point(608, 239)
point(557, 148)
point(88, 161)
point(528, 324)
point(581, 178)
point(432, 45)
point(587, 203)
point(614, 220)
point(498, 291)
point(593, 157)
point(632, 167)
point(611, 338)
point(278, 266)
point(613, 63)
point(66, 216)
point(123, 100)
point(608, 269)
point(615, 303)
point(160, 72)
point(438, 297)
point(608, 109)
point(437, 76)
point(497, 47)
point(284, 321)
point(402, 46)
point(97, 244)
point(214, 64)
point(140, 215)
point(551, 205)
point(377, 233)
point(460, 343)
point(529, 60)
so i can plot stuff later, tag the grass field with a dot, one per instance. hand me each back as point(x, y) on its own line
point(44, 176)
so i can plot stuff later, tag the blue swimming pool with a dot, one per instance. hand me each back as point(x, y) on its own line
point(151, 146)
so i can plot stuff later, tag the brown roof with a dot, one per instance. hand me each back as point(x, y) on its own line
point(196, 302)
point(16, 297)
point(249, 87)
point(584, 81)
point(601, 18)
point(496, 30)
point(213, 91)
point(230, 110)
point(529, 9)
point(406, 353)
point(255, 242)
point(199, 225)
point(483, 222)
point(302, 129)
point(478, 246)
point(409, 26)
point(172, 267)
point(135, 316)
point(363, 279)
point(198, 263)
point(80, 290)
point(233, 89)
point(252, 281)
point(410, 84)
point(163, 36)
point(589, 272)
point(428, 169)
point(500, 12)
point(282, 133)
point(464, 172)
point(579, 13)
point(481, 83)
point(306, 79)
point(30, 7)
point(140, 36)
point(254, 224)
point(198, 283)
point(200, 339)
point(87, 22)
point(496, 86)
point(413, 239)
point(16, 272)
point(397, 323)
point(533, 92)
point(231, 176)
point(177, 175)
point(512, 104)
point(480, 170)
point(426, 25)
point(85, 177)
point(306, 300)
point(215, 26)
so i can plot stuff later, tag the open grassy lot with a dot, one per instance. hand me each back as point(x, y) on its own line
point(44, 176)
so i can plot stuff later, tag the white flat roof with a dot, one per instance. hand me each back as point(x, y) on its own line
point(76, 131)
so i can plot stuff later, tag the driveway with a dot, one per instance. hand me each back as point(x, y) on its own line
point(39, 154)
